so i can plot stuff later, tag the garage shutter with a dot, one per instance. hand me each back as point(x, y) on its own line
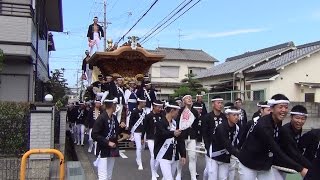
point(14, 87)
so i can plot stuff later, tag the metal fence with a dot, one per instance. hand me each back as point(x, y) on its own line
point(230, 96)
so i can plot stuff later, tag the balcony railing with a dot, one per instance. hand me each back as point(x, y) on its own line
point(16, 10)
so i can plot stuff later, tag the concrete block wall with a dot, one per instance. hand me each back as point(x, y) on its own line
point(40, 132)
point(63, 126)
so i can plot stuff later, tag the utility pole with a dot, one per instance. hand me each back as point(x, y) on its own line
point(105, 24)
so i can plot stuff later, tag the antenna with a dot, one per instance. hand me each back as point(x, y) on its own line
point(180, 35)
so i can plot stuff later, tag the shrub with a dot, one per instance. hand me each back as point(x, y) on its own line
point(15, 126)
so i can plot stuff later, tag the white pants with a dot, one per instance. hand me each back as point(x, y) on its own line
point(89, 75)
point(154, 164)
point(205, 172)
point(137, 140)
point(102, 95)
point(279, 175)
point(217, 170)
point(74, 131)
point(191, 144)
point(232, 167)
point(96, 40)
point(168, 168)
point(119, 112)
point(92, 143)
point(250, 174)
point(80, 133)
point(105, 168)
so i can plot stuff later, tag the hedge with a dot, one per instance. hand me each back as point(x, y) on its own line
point(14, 128)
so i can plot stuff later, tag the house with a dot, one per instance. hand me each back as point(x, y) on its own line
point(257, 75)
point(167, 74)
point(26, 42)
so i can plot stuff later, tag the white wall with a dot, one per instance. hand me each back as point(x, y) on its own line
point(183, 70)
point(265, 85)
point(295, 73)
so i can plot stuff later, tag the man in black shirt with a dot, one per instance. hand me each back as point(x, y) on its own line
point(187, 121)
point(260, 148)
point(80, 121)
point(148, 128)
point(209, 122)
point(136, 127)
point(105, 131)
point(289, 137)
point(258, 113)
point(94, 34)
point(243, 116)
point(169, 146)
point(309, 143)
point(224, 143)
point(87, 69)
point(203, 105)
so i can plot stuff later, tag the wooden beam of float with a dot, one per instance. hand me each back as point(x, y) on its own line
point(125, 61)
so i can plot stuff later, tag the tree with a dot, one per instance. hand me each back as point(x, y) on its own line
point(57, 87)
point(191, 86)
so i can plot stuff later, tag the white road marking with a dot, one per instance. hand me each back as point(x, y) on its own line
point(121, 152)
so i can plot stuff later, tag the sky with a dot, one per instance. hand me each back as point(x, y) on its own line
point(221, 28)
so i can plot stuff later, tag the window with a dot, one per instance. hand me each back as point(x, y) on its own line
point(258, 95)
point(309, 97)
point(196, 70)
point(169, 71)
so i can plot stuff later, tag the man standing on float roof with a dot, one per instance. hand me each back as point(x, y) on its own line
point(94, 34)
point(260, 150)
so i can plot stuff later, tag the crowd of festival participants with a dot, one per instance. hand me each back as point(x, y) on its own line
point(177, 131)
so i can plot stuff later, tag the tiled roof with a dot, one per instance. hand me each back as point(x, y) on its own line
point(246, 60)
point(184, 54)
point(289, 57)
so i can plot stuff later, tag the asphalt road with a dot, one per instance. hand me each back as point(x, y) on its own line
point(127, 169)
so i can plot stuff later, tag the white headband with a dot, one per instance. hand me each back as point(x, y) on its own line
point(186, 96)
point(199, 95)
point(156, 104)
point(197, 107)
point(298, 113)
point(114, 100)
point(217, 99)
point(272, 102)
point(96, 101)
point(147, 84)
point(264, 106)
point(227, 111)
point(227, 107)
point(141, 100)
point(172, 106)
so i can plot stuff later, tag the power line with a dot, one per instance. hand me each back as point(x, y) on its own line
point(146, 37)
point(171, 22)
point(164, 19)
point(122, 38)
